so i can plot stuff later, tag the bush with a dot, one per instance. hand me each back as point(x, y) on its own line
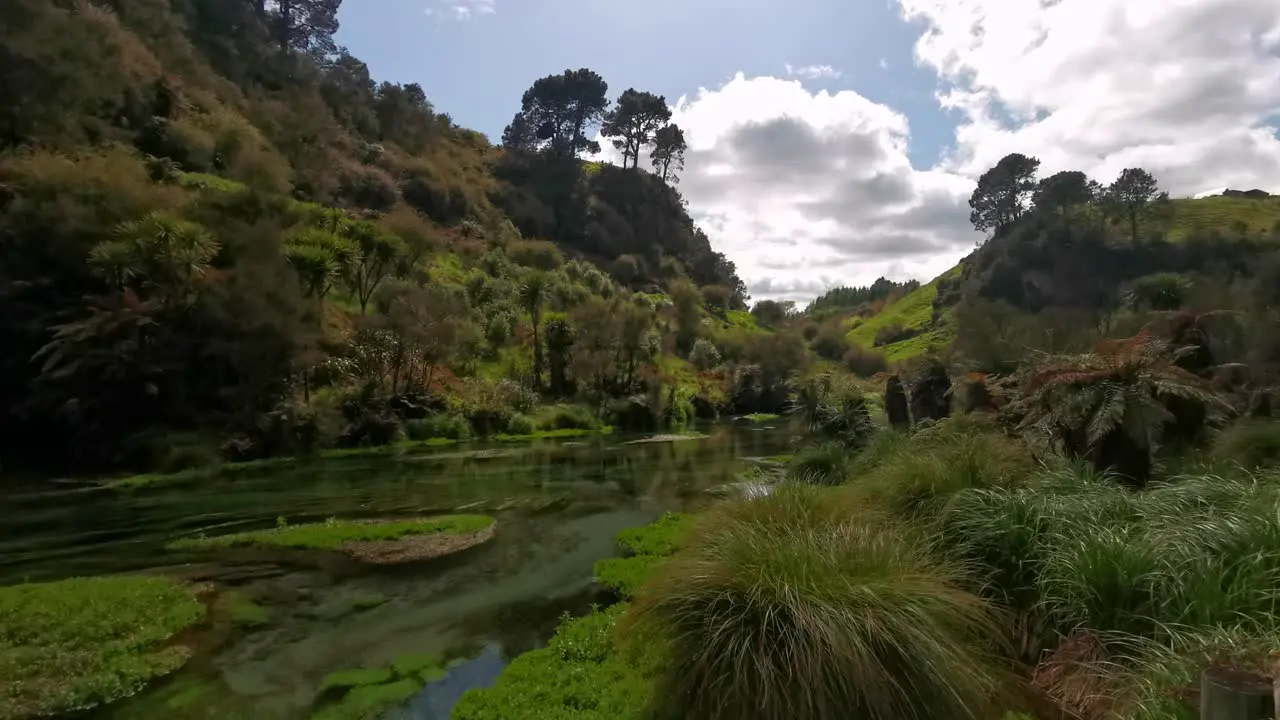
point(704, 355)
point(864, 363)
point(822, 464)
point(794, 606)
point(451, 427)
point(892, 333)
point(520, 425)
point(565, 417)
point(830, 342)
point(538, 254)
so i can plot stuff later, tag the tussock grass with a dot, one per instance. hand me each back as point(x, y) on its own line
point(916, 476)
point(798, 605)
point(1189, 552)
point(1249, 444)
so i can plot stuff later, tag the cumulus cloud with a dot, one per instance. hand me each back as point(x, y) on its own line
point(462, 10)
point(812, 72)
point(805, 190)
point(1189, 89)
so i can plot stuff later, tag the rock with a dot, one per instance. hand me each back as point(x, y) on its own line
point(895, 403)
point(930, 398)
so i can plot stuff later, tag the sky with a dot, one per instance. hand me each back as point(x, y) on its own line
point(836, 141)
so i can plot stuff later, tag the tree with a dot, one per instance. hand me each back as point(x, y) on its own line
point(159, 255)
point(1062, 191)
point(533, 295)
point(1133, 195)
point(320, 258)
point(669, 147)
point(562, 109)
point(560, 339)
point(773, 312)
point(1001, 195)
point(633, 122)
point(305, 26)
point(429, 323)
point(374, 257)
point(520, 134)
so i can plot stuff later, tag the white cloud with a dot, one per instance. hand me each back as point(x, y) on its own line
point(812, 72)
point(884, 64)
point(805, 191)
point(1189, 89)
point(462, 10)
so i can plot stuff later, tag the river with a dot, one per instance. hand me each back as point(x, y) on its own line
point(558, 506)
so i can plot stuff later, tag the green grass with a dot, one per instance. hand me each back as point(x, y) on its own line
point(366, 693)
point(202, 181)
point(741, 319)
point(913, 311)
point(1221, 213)
point(661, 537)
point(798, 604)
point(581, 674)
point(79, 643)
point(332, 534)
point(761, 417)
point(625, 575)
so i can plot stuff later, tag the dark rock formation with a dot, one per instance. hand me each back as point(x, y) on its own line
point(930, 397)
point(895, 404)
point(1254, 194)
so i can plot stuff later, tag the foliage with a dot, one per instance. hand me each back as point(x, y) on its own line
point(1114, 405)
point(1248, 444)
point(660, 538)
point(580, 674)
point(1002, 192)
point(818, 611)
point(335, 533)
point(78, 643)
point(363, 693)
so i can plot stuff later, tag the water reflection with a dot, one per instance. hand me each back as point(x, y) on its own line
point(558, 507)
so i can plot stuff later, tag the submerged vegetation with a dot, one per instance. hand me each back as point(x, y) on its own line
point(79, 643)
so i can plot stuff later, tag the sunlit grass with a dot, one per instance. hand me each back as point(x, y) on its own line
point(800, 605)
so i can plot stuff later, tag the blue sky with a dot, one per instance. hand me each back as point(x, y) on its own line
point(809, 180)
point(477, 69)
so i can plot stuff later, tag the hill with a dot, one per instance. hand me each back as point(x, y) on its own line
point(222, 239)
point(1045, 265)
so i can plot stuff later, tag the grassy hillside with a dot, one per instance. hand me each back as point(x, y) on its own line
point(1224, 214)
point(914, 313)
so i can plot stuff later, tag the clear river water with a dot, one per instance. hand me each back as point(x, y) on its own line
point(558, 505)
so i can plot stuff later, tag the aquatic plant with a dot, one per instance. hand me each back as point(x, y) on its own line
point(365, 693)
point(78, 643)
point(797, 605)
point(661, 537)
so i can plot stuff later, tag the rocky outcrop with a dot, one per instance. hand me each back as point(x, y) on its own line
point(1254, 194)
point(931, 394)
point(895, 404)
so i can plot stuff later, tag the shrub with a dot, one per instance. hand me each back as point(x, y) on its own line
point(519, 424)
point(864, 363)
point(892, 333)
point(451, 427)
point(830, 342)
point(538, 254)
point(704, 354)
point(565, 417)
point(792, 606)
point(822, 464)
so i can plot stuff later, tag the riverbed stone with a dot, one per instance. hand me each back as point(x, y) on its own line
point(414, 548)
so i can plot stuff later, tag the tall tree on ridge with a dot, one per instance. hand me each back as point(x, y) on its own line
point(1002, 192)
point(633, 122)
point(563, 108)
point(1133, 194)
point(669, 147)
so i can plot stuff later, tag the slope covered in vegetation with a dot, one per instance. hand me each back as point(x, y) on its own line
point(224, 241)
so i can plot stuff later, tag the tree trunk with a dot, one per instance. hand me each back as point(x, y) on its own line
point(537, 350)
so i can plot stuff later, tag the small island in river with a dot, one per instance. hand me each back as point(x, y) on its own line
point(377, 542)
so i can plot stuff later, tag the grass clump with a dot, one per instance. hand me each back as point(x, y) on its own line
point(242, 611)
point(795, 605)
point(333, 534)
point(79, 643)
point(916, 477)
point(761, 417)
point(581, 674)
point(661, 538)
point(1249, 444)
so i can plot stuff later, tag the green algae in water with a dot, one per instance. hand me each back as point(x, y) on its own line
point(364, 693)
point(79, 643)
point(332, 534)
point(243, 611)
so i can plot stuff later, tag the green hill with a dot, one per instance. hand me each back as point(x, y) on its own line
point(1234, 215)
